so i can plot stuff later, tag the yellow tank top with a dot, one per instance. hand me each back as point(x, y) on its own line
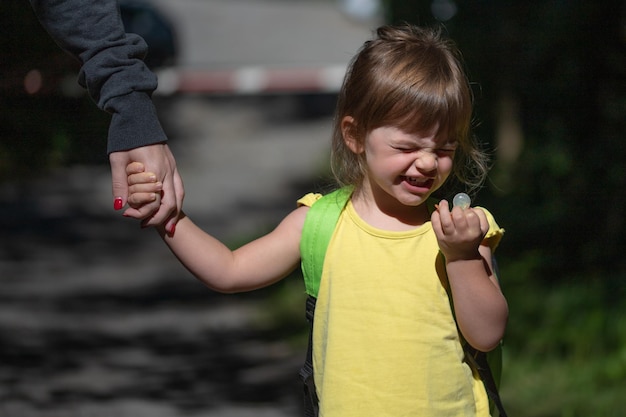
point(385, 342)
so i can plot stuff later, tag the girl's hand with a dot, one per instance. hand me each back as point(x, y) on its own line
point(143, 188)
point(459, 231)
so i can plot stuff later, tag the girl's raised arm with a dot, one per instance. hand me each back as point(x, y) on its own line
point(480, 307)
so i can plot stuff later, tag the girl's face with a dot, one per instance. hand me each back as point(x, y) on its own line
point(404, 169)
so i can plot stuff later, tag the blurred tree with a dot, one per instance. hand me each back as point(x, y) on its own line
point(40, 99)
point(551, 100)
point(549, 79)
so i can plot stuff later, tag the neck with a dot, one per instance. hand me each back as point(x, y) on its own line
point(382, 211)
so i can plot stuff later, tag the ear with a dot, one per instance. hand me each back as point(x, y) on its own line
point(350, 137)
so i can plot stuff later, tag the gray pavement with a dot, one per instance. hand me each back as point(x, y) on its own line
point(98, 319)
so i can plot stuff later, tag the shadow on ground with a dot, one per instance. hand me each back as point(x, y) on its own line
point(98, 319)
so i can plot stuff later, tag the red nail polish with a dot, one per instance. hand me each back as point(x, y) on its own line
point(117, 204)
point(172, 229)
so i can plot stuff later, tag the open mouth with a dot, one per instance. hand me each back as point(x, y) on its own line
point(419, 182)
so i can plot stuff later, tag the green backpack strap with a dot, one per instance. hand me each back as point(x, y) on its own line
point(318, 229)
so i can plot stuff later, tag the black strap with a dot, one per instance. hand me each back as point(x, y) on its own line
point(311, 402)
point(478, 360)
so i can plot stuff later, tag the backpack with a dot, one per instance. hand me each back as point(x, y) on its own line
point(318, 229)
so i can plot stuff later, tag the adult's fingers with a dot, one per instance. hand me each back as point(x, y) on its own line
point(119, 182)
point(121, 162)
point(180, 195)
point(159, 159)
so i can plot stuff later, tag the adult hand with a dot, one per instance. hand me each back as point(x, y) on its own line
point(158, 159)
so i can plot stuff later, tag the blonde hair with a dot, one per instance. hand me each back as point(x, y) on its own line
point(411, 78)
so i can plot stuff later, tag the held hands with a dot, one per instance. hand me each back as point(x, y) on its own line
point(143, 189)
point(459, 231)
point(167, 203)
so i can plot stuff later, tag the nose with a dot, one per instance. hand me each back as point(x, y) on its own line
point(426, 161)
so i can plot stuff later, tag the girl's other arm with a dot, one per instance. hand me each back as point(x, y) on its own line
point(480, 307)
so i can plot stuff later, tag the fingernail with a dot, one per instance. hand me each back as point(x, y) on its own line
point(172, 229)
point(117, 204)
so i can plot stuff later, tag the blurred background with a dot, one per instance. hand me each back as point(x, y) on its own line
point(98, 319)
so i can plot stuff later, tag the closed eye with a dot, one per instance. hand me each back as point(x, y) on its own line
point(405, 149)
point(447, 149)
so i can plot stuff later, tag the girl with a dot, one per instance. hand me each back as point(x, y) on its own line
point(385, 341)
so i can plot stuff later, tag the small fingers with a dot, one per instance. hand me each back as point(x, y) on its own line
point(142, 178)
point(458, 220)
point(134, 168)
point(134, 213)
point(144, 192)
point(446, 218)
point(435, 220)
point(145, 187)
point(145, 210)
point(139, 199)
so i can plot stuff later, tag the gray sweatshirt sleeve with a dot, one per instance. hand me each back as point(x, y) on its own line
point(112, 71)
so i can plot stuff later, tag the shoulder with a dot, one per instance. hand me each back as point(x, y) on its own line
point(296, 218)
point(335, 199)
point(309, 199)
point(294, 221)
